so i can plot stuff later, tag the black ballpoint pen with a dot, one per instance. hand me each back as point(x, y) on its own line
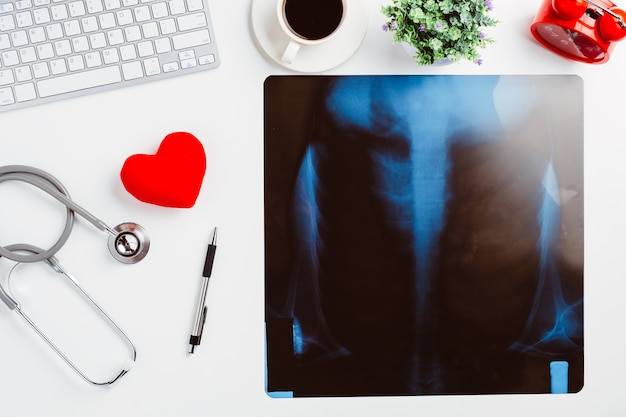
point(198, 325)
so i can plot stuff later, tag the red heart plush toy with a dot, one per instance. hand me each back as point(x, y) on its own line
point(170, 178)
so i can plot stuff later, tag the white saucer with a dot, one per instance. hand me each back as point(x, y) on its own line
point(316, 58)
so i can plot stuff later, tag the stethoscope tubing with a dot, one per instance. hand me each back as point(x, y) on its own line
point(52, 186)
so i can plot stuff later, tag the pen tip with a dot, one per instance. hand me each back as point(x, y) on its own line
point(214, 238)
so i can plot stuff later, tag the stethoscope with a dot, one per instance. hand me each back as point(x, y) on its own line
point(128, 243)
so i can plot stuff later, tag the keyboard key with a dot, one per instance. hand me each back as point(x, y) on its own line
point(23, 4)
point(4, 41)
point(124, 17)
point(24, 19)
point(40, 70)
point(37, 34)
point(150, 30)
point(59, 12)
point(10, 58)
point(41, 16)
point(112, 4)
point(25, 92)
point(55, 31)
point(110, 56)
point(194, 5)
point(94, 6)
point(19, 38)
point(142, 13)
point(191, 21)
point(133, 33)
point(72, 27)
point(93, 59)
point(186, 55)
point(45, 51)
point(7, 23)
point(75, 63)
point(159, 10)
point(177, 6)
point(62, 47)
point(188, 63)
point(77, 8)
point(206, 59)
point(152, 66)
point(7, 7)
point(162, 45)
point(6, 77)
point(97, 40)
point(28, 54)
point(80, 44)
point(168, 26)
point(115, 37)
point(23, 74)
point(191, 39)
point(145, 49)
point(79, 81)
point(90, 24)
point(58, 66)
point(107, 20)
point(6, 96)
point(128, 52)
point(132, 70)
point(171, 67)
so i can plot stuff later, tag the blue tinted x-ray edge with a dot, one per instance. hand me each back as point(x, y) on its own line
point(559, 374)
point(280, 394)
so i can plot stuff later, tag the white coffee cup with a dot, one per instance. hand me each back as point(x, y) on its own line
point(309, 22)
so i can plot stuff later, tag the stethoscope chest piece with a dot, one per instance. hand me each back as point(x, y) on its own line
point(128, 243)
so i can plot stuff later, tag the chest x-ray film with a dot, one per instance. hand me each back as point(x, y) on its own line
point(423, 235)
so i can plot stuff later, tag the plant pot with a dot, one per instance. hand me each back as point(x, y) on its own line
point(412, 51)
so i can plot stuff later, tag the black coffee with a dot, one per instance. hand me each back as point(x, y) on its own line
point(313, 19)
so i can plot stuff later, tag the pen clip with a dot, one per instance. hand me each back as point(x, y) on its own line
point(202, 321)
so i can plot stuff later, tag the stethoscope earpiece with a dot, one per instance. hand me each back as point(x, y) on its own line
point(128, 243)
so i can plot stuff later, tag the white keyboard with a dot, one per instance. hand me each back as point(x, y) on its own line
point(56, 49)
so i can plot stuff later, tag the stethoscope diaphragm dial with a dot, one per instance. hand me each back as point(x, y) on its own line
point(128, 243)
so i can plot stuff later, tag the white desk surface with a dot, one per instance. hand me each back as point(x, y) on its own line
point(84, 142)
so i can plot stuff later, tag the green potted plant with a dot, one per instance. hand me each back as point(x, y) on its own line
point(440, 29)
